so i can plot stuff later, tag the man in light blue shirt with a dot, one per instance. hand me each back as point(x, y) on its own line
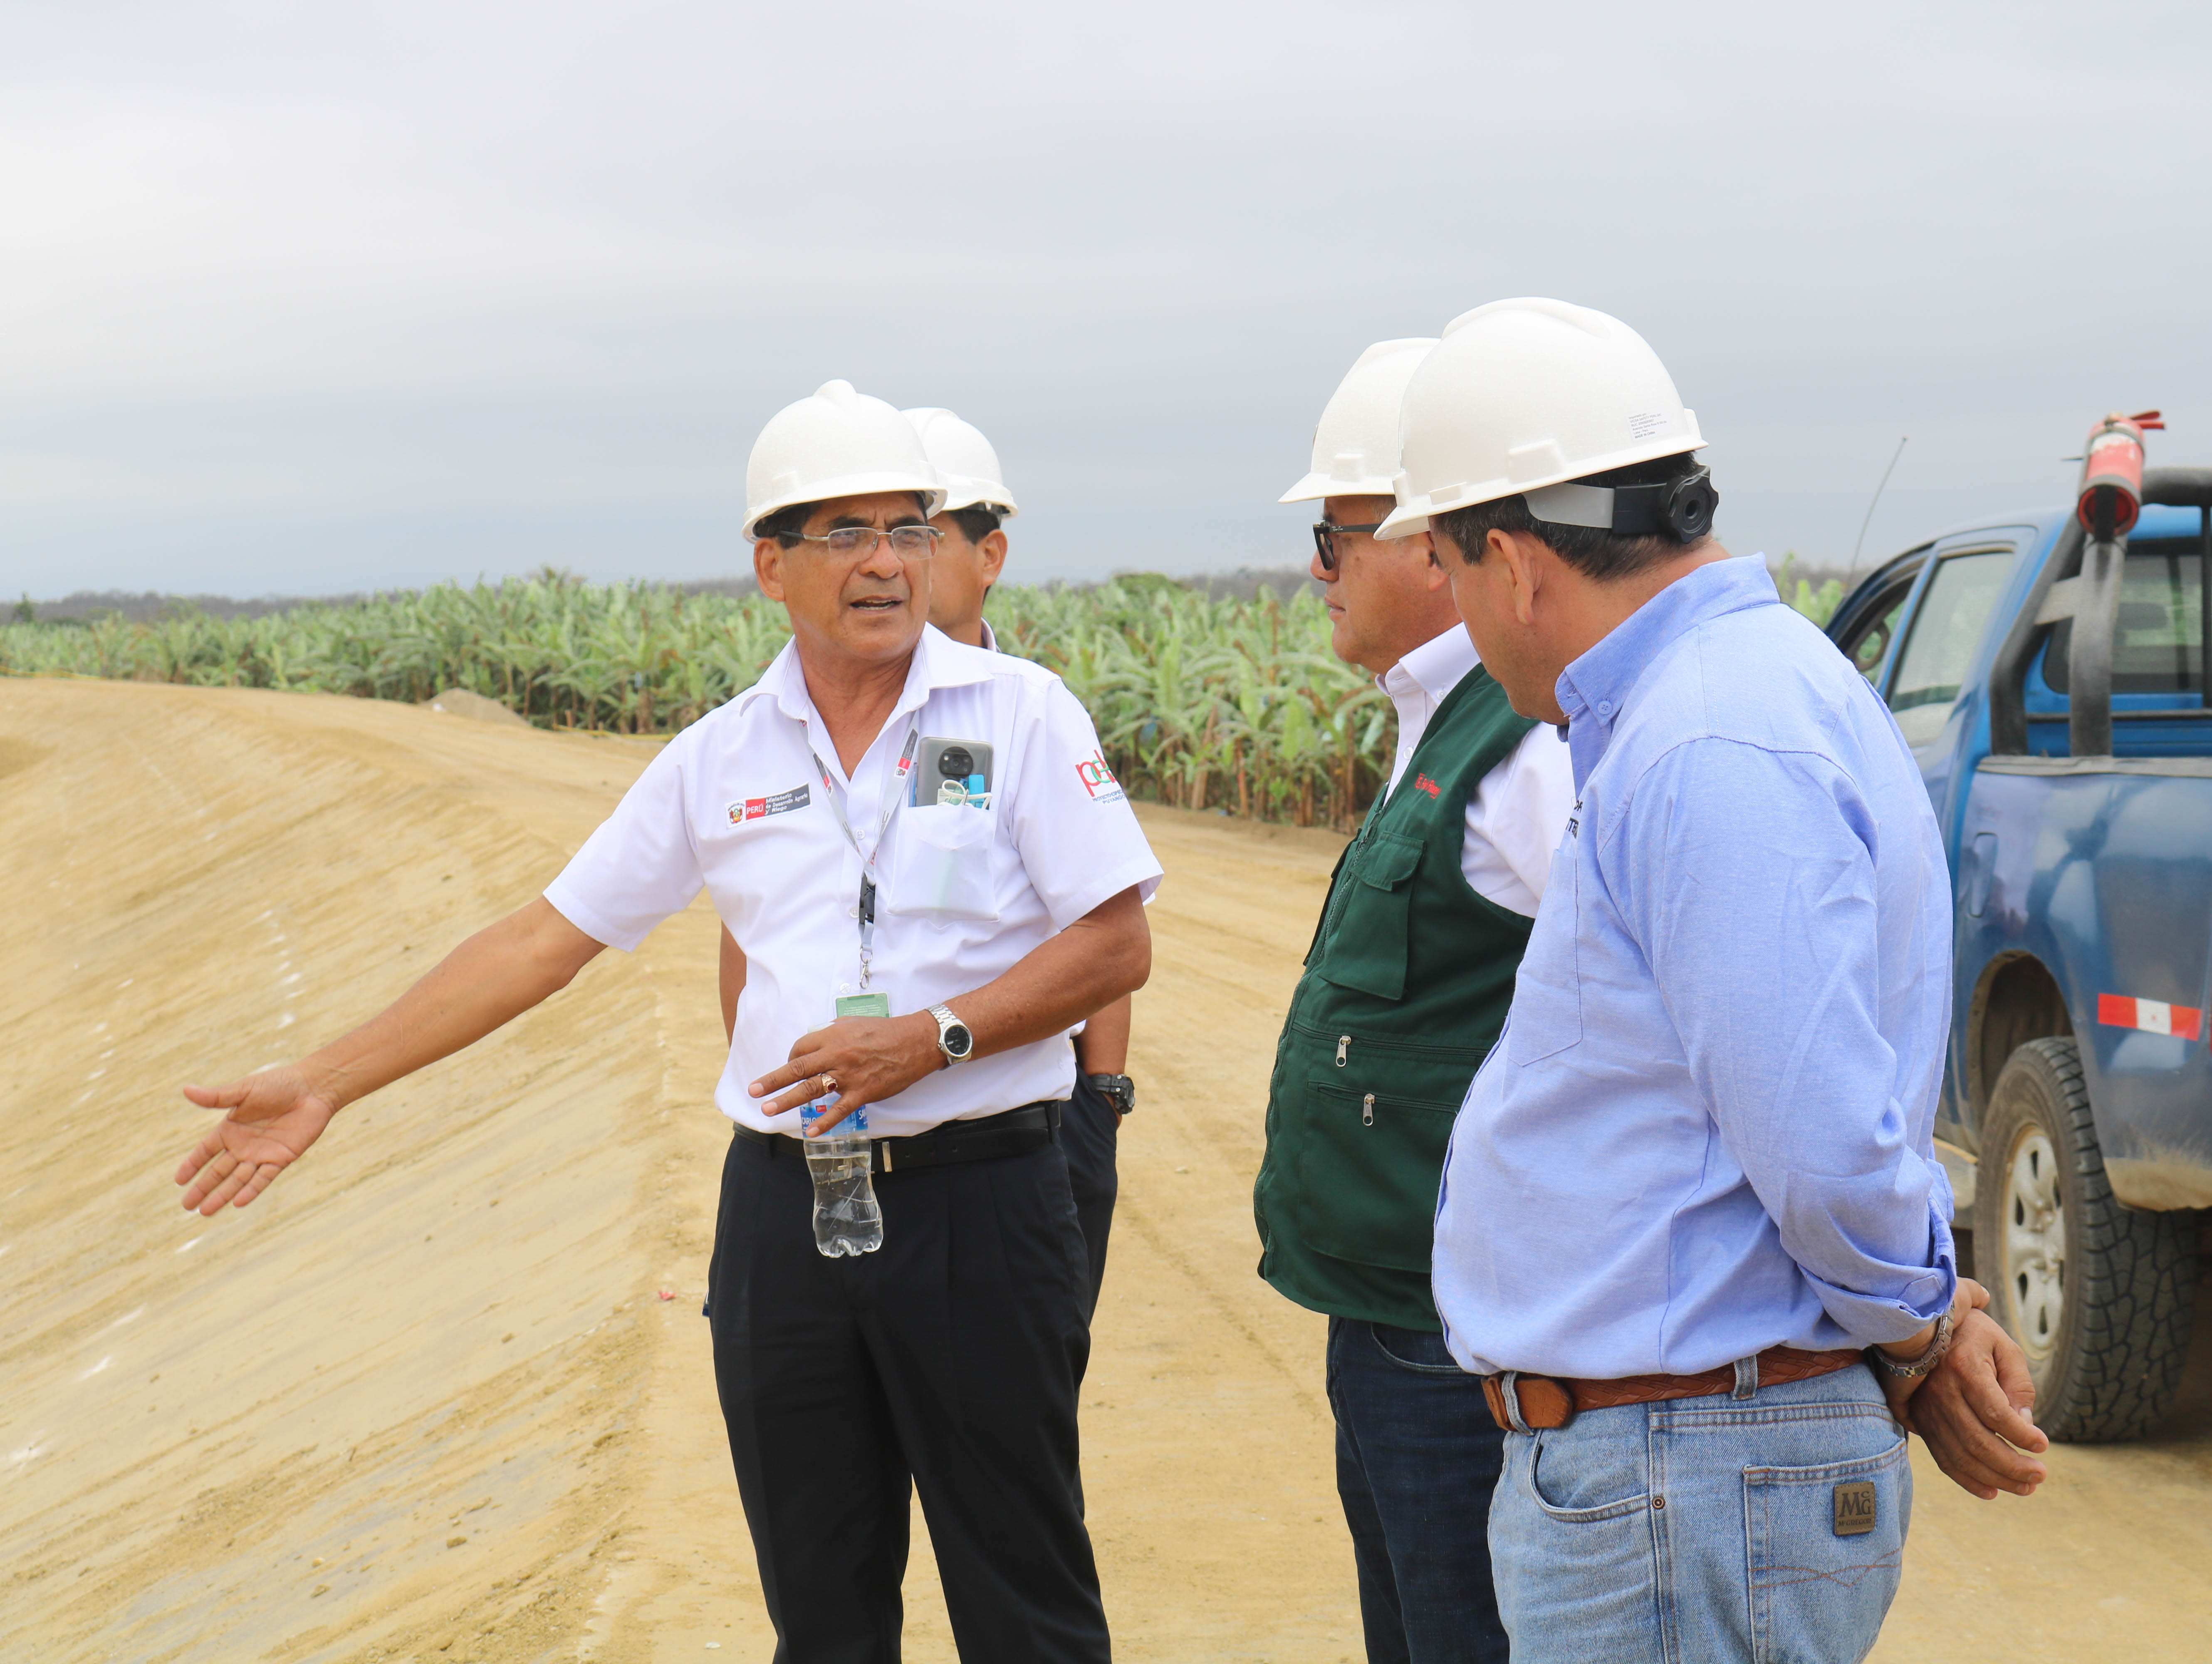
point(1692, 1206)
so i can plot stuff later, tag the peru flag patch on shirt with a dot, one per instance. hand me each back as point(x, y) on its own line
point(753, 809)
point(2153, 1017)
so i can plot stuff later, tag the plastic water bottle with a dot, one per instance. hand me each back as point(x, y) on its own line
point(847, 1219)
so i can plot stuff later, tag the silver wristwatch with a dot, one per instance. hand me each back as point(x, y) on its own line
point(954, 1038)
point(1912, 1368)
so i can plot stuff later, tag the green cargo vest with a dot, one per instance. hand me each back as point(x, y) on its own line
point(1405, 989)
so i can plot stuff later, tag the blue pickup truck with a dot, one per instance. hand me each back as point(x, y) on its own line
point(2060, 719)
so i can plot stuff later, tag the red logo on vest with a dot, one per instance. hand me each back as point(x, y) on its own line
point(1422, 783)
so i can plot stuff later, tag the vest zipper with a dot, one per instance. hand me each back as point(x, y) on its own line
point(1367, 1110)
point(1342, 1041)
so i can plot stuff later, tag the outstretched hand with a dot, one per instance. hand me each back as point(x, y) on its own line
point(274, 1116)
point(1973, 1408)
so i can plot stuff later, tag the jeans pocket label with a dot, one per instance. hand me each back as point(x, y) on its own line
point(1854, 1508)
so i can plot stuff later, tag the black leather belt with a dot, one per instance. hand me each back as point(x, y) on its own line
point(1011, 1132)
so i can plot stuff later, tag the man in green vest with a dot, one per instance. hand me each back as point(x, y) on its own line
point(1405, 988)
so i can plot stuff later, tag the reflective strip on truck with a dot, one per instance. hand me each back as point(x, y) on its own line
point(2152, 1017)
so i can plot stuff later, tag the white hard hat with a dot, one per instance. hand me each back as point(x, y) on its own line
point(1523, 394)
point(836, 443)
point(1355, 451)
point(958, 451)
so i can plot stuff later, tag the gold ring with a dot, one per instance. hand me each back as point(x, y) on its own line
point(829, 1083)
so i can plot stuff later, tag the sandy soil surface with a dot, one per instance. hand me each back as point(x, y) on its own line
point(426, 1399)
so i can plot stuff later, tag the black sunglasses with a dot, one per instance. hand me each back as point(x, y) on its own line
point(1325, 541)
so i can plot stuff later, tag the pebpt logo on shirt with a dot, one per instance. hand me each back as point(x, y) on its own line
point(1099, 779)
point(753, 809)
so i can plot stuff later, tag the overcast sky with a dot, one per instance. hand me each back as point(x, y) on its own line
point(307, 299)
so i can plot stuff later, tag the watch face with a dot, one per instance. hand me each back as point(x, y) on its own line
point(958, 1042)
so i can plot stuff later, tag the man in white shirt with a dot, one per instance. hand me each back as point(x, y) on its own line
point(946, 1360)
point(971, 553)
point(1405, 987)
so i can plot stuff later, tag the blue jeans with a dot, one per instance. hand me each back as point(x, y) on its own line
point(1417, 1455)
point(1702, 1530)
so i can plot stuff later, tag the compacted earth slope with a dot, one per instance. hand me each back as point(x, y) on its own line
point(425, 1400)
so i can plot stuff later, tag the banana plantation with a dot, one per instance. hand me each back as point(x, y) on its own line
point(1229, 704)
point(1223, 704)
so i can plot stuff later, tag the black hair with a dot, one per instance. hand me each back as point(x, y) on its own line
point(976, 522)
point(786, 525)
point(1592, 550)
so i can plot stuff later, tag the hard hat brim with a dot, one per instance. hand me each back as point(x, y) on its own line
point(928, 488)
point(1313, 487)
point(973, 493)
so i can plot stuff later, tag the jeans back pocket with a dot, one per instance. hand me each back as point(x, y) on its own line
point(1826, 1547)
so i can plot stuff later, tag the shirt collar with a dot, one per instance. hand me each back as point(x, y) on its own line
point(1594, 690)
point(938, 662)
point(1436, 667)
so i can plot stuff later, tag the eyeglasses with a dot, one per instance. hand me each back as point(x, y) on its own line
point(909, 543)
point(1325, 536)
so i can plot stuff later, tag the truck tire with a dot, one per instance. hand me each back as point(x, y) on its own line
point(2096, 1293)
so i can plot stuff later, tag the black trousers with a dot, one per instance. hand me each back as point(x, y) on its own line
point(1088, 1135)
point(947, 1362)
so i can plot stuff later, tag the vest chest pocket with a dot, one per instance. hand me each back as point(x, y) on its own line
point(1367, 950)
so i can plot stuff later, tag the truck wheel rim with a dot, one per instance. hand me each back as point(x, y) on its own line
point(2035, 1245)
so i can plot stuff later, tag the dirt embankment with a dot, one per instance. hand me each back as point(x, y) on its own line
point(423, 1400)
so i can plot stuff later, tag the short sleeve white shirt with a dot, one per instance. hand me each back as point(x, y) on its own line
point(1519, 810)
point(738, 804)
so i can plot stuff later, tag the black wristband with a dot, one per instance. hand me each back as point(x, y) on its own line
point(1117, 1089)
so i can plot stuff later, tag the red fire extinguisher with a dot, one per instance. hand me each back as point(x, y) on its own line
point(2111, 494)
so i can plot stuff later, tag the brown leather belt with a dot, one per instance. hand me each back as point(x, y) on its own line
point(1546, 1402)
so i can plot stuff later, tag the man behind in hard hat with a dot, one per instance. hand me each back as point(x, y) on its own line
point(1692, 1232)
point(1404, 990)
point(971, 552)
point(981, 925)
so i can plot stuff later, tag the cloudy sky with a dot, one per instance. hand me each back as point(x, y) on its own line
point(306, 298)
